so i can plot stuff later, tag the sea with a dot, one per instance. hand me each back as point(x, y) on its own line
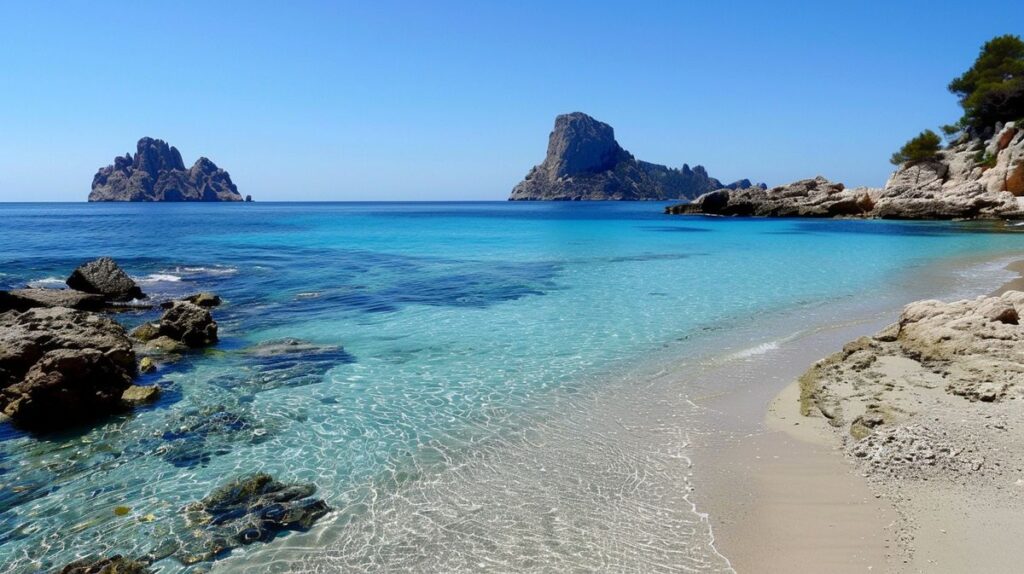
point(474, 386)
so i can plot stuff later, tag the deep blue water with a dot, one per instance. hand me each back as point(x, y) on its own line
point(439, 326)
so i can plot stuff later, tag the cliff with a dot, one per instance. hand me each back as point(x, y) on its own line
point(584, 162)
point(157, 173)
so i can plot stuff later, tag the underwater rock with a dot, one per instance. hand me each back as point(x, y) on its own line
point(254, 508)
point(140, 394)
point(284, 362)
point(190, 324)
point(116, 564)
point(103, 276)
point(193, 438)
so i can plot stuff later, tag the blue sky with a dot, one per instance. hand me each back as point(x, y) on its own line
point(454, 100)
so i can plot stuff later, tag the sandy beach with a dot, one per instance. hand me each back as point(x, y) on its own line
point(786, 493)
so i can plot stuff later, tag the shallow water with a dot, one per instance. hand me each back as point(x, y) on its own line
point(475, 401)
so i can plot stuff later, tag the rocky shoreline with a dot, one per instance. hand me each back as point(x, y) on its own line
point(974, 178)
point(927, 411)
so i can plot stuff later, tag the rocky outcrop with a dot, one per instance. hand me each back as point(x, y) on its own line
point(157, 173)
point(60, 367)
point(816, 197)
point(909, 400)
point(103, 277)
point(971, 179)
point(189, 323)
point(24, 299)
point(584, 162)
point(116, 564)
point(251, 509)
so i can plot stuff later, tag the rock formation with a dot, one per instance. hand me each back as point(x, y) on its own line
point(250, 509)
point(816, 197)
point(103, 277)
point(60, 367)
point(971, 179)
point(157, 173)
point(584, 162)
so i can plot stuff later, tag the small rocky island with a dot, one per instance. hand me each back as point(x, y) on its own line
point(157, 173)
point(584, 162)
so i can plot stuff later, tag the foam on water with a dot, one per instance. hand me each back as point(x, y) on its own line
point(484, 386)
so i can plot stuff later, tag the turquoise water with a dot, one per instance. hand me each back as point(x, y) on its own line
point(455, 342)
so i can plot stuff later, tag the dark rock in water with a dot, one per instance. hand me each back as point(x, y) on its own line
point(104, 277)
point(157, 173)
point(190, 324)
point(204, 299)
point(285, 362)
point(816, 197)
point(250, 509)
point(24, 299)
point(116, 564)
point(195, 437)
point(64, 387)
point(60, 367)
point(146, 332)
point(248, 199)
point(584, 162)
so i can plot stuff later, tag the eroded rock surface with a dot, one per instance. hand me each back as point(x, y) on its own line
point(157, 173)
point(971, 179)
point(104, 277)
point(584, 162)
point(60, 367)
point(188, 323)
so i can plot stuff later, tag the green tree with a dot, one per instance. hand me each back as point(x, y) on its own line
point(923, 147)
point(993, 89)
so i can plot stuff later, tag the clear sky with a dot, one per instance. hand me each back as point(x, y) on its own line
point(454, 100)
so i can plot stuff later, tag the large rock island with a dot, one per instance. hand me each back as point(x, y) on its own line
point(584, 162)
point(157, 173)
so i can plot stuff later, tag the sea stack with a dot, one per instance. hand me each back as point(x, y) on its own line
point(157, 173)
point(584, 162)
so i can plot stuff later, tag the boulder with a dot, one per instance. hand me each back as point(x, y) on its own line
point(189, 323)
point(585, 162)
point(146, 332)
point(65, 387)
point(204, 299)
point(157, 173)
point(103, 276)
point(254, 508)
point(60, 367)
point(140, 394)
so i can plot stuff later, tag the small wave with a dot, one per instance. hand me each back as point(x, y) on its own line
point(762, 349)
point(158, 278)
point(46, 282)
point(206, 270)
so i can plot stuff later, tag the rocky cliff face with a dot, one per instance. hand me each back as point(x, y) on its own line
point(971, 179)
point(584, 162)
point(157, 173)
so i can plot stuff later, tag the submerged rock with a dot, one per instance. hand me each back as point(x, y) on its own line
point(193, 438)
point(283, 362)
point(157, 173)
point(189, 323)
point(254, 508)
point(103, 276)
point(116, 564)
point(584, 162)
point(60, 367)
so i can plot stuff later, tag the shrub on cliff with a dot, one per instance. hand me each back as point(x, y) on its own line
point(923, 147)
point(993, 89)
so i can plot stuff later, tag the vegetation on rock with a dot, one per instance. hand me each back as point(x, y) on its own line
point(921, 148)
point(992, 90)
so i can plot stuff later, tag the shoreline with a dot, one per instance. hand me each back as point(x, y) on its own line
point(782, 496)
